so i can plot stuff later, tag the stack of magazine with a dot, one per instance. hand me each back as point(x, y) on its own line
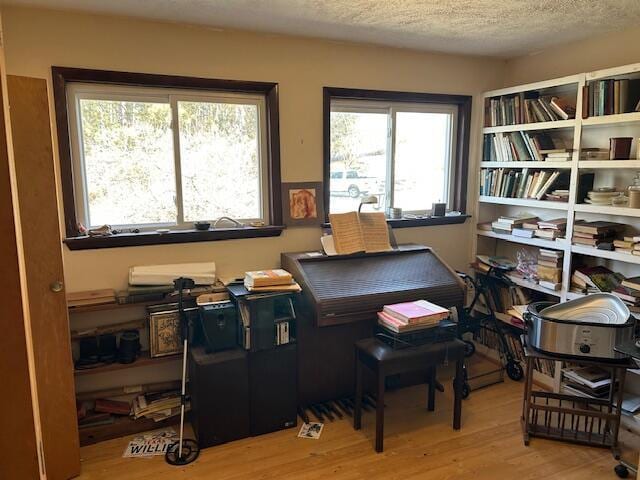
point(411, 316)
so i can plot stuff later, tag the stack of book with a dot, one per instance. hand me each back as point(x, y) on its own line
point(629, 244)
point(550, 268)
point(629, 292)
point(411, 316)
point(559, 155)
point(277, 280)
point(558, 195)
point(610, 96)
point(506, 224)
point(596, 279)
point(600, 234)
point(595, 154)
point(527, 107)
point(525, 183)
point(158, 406)
point(551, 229)
point(517, 147)
point(590, 382)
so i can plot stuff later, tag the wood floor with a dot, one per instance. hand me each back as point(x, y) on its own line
point(418, 445)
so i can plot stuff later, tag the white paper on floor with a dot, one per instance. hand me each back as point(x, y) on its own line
point(150, 444)
point(311, 430)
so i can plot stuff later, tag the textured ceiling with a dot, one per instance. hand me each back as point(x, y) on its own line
point(482, 27)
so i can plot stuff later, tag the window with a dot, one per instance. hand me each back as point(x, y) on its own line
point(408, 150)
point(133, 169)
point(145, 151)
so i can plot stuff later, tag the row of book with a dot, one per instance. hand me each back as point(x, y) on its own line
point(525, 183)
point(527, 107)
point(411, 316)
point(522, 146)
point(157, 406)
point(525, 226)
point(610, 96)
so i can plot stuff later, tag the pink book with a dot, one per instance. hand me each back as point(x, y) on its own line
point(416, 312)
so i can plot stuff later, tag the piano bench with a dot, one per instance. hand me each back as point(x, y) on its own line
point(384, 361)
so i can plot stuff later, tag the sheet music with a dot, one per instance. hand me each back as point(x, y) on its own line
point(347, 235)
point(375, 232)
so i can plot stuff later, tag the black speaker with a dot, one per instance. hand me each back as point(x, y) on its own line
point(274, 389)
point(219, 389)
point(219, 326)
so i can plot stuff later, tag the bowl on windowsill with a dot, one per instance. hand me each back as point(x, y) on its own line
point(202, 226)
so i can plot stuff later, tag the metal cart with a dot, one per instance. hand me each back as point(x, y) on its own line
point(631, 349)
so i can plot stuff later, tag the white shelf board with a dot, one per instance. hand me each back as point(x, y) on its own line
point(620, 119)
point(534, 286)
point(552, 83)
point(524, 202)
point(611, 255)
point(593, 164)
point(526, 164)
point(531, 126)
point(607, 210)
point(620, 71)
point(536, 242)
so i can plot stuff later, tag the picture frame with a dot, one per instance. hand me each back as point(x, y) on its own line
point(164, 333)
point(302, 204)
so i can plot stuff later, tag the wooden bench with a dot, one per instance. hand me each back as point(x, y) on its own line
point(384, 361)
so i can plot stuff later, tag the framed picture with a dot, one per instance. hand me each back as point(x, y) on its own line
point(164, 333)
point(302, 203)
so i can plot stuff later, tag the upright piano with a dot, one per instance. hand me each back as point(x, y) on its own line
point(340, 298)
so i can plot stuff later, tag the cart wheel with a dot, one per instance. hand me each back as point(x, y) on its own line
point(514, 371)
point(621, 471)
point(469, 348)
point(466, 390)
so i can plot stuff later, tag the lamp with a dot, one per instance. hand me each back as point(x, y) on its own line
point(368, 200)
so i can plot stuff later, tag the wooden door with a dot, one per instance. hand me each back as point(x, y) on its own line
point(16, 403)
point(33, 151)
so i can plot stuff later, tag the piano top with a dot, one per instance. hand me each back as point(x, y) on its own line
point(408, 268)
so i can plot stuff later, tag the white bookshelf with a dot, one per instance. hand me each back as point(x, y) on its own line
point(577, 133)
point(581, 133)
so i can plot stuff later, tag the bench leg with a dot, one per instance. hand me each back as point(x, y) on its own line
point(457, 393)
point(431, 389)
point(357, 409)
point(380, 413)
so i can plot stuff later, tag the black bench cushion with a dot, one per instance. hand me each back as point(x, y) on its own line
point(380, 356)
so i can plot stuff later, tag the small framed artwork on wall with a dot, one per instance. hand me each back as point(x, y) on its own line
point(302, 204)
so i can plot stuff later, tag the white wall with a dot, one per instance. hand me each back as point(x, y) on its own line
point(36, 39)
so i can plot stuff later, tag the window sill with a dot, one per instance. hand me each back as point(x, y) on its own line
point(176, 236)
point(421, 222)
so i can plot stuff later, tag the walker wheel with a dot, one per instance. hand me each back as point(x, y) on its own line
point(466, 390)
point(469, 348)
point(514, 371)
point(190, 452)
point(621, 471)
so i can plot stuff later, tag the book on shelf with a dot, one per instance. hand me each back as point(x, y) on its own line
point(549, 274)
point(527, 107)
point(594, 154)
point(555, 224)
point(549, 262)
point(633, 283)
point(525, 183)
point(610, 97)
point(597, 227)
point(523, 232)
point(599, 277)
point(628, 295)
point(518, 146)
point(548, 253)
point(116, 407)
point(555, 286)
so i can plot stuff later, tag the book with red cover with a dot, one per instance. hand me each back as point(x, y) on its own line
point(112, 406)
point(419, 311)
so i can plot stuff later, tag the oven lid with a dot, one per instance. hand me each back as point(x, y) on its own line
point(601, 308)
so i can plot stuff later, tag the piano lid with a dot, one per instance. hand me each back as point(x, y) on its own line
point(362, 284)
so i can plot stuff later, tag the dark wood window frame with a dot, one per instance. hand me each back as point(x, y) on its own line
point(62, 76)
point(461, 160)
